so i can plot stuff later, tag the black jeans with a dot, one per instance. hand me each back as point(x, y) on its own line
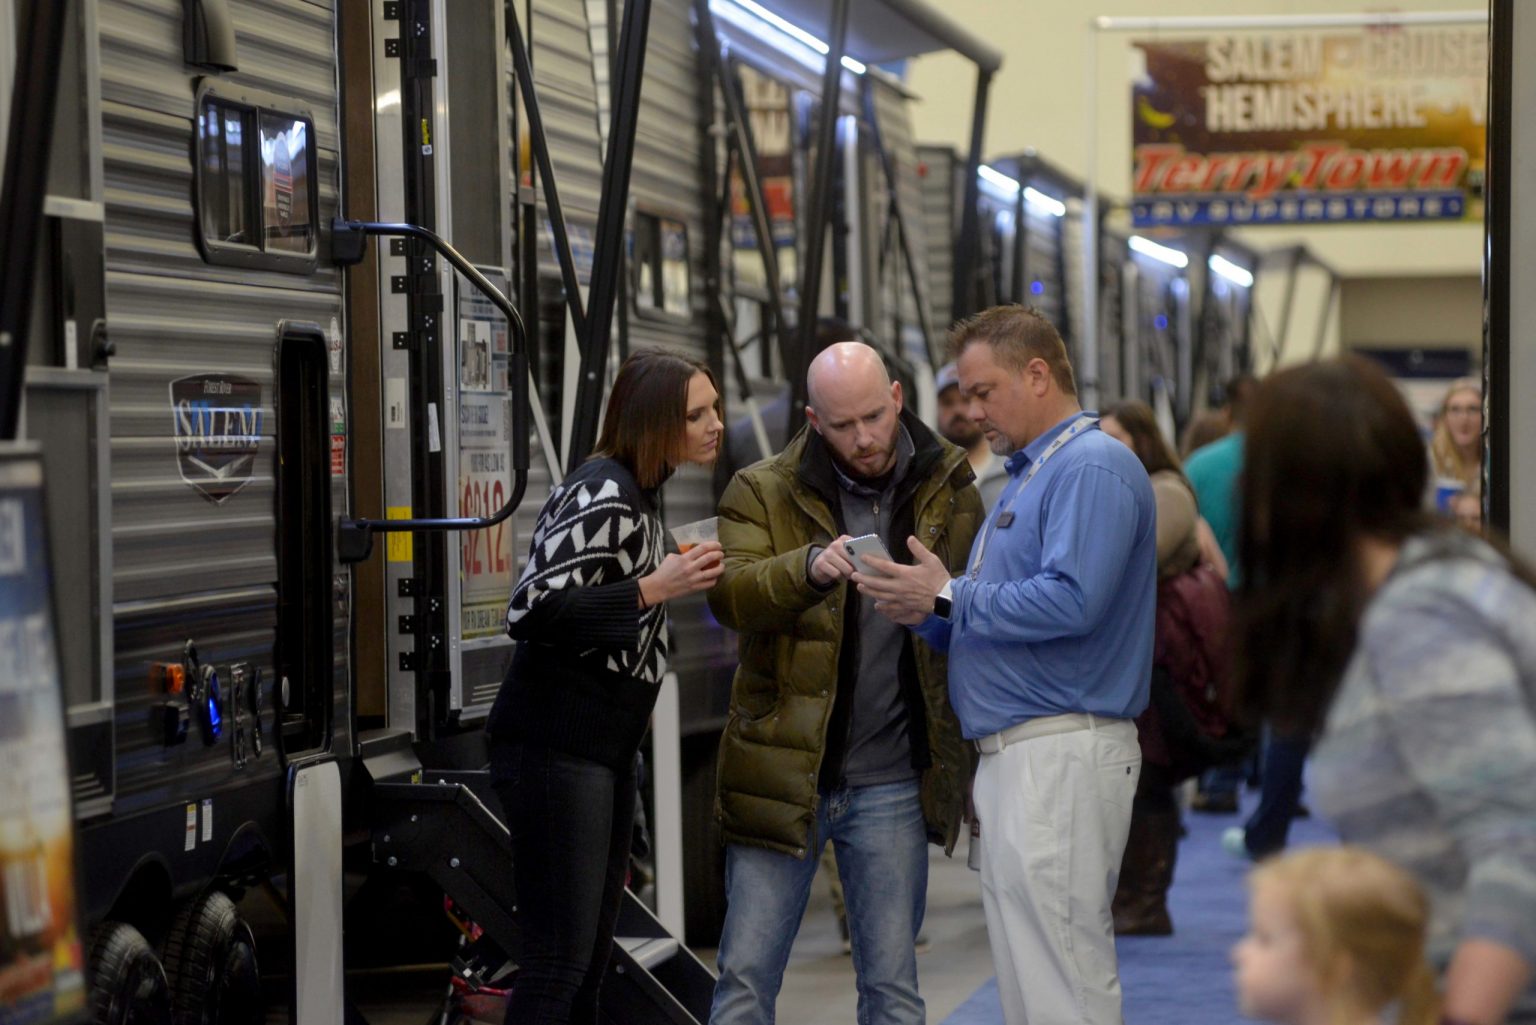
point(571, 822)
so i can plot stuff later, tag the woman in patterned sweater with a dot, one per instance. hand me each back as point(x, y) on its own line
point(589, 615)
point(1407, 646)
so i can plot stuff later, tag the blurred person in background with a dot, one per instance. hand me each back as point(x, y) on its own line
point(1335, 937)
point(958, 428)
point(1456, 449)
point(1407, 647)
point(1185, 726)
point(1207, 426)
point(1213, 472)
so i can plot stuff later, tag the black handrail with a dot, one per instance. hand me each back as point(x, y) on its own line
point(354, 539)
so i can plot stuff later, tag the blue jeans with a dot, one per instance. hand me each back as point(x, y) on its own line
point(1268, 828)
point(881, 843)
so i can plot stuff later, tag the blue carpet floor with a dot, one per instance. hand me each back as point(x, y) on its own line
point(1186, 978)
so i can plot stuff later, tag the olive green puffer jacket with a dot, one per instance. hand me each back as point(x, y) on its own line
point(791, 635)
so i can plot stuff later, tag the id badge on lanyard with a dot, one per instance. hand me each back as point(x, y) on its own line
point(1005, 517)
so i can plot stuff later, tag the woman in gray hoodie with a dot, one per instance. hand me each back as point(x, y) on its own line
point(1406, 646)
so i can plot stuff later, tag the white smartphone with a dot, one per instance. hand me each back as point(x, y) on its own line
point(859, 548)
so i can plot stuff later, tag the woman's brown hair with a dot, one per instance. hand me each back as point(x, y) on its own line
point(1147, 439)
point(645, 425)
point(1331, 455)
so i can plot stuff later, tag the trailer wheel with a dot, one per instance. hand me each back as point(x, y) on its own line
point(128, 985)
point(211, 959)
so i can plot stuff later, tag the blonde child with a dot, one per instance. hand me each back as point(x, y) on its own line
point(1335, 937)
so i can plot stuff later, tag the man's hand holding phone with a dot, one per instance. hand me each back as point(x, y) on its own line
point(904, 593)
point(832, 564)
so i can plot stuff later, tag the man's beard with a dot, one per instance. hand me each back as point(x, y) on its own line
point(999, 443)
point(854, 469)
point(961, 431)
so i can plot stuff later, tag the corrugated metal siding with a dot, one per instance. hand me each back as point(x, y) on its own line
point(1042, 263)
point(668, 180)
point(1073, 286)
point(184, 567)
point(562, 58)
point(940, 225)
point(895, 113)
point(666, 177)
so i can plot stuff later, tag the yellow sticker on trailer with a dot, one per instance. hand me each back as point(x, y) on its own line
point(399, 544)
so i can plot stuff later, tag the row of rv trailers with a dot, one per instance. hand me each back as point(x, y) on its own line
point(223, 369)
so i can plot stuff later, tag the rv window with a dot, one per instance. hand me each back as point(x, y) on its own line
point(255, 182)
point(226, 214)
point(287, 219)
point(662, 281)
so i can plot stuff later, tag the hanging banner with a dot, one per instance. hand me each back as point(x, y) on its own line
point(1371, 125)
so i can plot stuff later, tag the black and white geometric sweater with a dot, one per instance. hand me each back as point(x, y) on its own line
point(596, 536)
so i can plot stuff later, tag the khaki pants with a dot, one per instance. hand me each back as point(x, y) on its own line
point(1054, 813)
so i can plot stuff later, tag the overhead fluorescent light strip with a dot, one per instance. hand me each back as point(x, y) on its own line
point(1050, 204)
point(1166, 254)
point(797, 33)
point(1231, 271)
point(1009, 188)
point(998, 180)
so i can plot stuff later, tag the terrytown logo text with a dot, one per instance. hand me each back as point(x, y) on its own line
point(1328, 167)
point(217, 422)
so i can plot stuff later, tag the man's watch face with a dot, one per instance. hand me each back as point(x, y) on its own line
point(941, 606)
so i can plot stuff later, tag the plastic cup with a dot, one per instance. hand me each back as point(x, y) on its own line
point(696, 533)
point(1445, 492)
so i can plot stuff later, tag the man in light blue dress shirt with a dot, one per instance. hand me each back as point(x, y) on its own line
point(1049, 636)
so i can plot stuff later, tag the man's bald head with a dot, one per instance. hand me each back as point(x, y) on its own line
point(843, 367)
point(855, 407)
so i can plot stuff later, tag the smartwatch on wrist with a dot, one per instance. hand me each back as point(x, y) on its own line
point(942, 603)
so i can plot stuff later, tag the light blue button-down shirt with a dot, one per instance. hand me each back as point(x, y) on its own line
point(1060, 617)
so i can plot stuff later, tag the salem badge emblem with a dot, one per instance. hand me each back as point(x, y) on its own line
point(217, 422)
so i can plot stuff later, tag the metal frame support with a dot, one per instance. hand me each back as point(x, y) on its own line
point(970, 216)
point(609, 242)
point(1503, 247)
point(1283, 336)
point(1335, 287)
point(742, 146)
point(919, 296)
point(820, 214)
point(523, 70)
point(712, 73)
point(25, 183)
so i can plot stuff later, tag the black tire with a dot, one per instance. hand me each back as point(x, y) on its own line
point(210, 957)
point(128, 985)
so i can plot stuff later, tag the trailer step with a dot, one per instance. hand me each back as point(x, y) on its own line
point(446, 827)
point(649, 952)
